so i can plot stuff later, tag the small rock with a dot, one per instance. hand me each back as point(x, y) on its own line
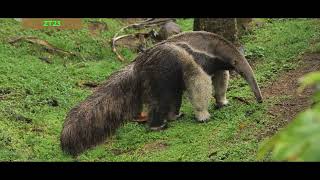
point(19, 117)
point(167, 30)
point(45, 59)
point(53, 102)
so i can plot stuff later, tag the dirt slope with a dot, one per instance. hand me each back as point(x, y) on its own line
point(287, 85)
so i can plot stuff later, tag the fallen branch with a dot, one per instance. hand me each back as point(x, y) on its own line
point(45, 44)
point(284, 104)
point(5, 96)
point(89, 84)
point(241, 99)
point(271, 114)
point(45, 59)
point(151, 22)
point(147, 23)
point(114, 45)
point(114, 40)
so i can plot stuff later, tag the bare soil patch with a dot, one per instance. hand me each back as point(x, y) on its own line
point(287, 85)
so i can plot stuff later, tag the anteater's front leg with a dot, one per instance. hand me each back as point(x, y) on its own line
point(220, 83)
point(157, 115)
point(175, 106)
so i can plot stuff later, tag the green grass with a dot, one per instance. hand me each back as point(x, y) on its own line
point(230, 135)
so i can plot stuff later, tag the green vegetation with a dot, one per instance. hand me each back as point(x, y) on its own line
point(36, 96)
point(300, 140)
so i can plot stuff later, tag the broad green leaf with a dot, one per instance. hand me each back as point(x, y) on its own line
point(309, 79)
point(299, 141)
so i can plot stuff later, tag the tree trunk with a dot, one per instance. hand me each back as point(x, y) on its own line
point(243, 25)
point(226, 27)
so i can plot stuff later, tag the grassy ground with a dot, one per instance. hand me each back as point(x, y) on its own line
point(43, 93)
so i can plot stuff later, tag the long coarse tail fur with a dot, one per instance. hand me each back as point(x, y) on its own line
point(96, 118)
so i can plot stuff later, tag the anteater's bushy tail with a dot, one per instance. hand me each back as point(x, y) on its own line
point(98, 117)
